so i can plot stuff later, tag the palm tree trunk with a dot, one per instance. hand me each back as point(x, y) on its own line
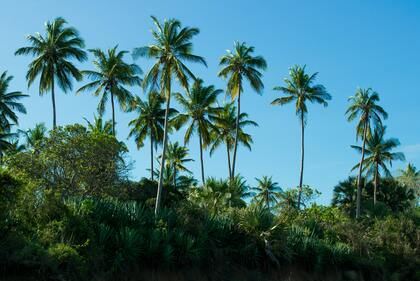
point(375, 184)
point(113, 113)
point(302, 159)
point(201, 158)
point(229, 165)
point(53, 102)
point(151, 157)
point(165, 142)
point(236, 135)
point(359, 176)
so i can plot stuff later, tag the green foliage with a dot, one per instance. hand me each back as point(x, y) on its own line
point(74, 161)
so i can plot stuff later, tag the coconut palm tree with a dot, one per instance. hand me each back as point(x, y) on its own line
point(224, 131)
point(53, 53)
point(267, 191)
point(199, 107)
point(171, 49)
point(379, 153)
point(110, 79)
point(177, 157)
point(9, 103)
point(363, 105)
point(300, 89)
point(99, 125)
point(35, 135)
point(149, 123)
point(238, 66)
point(410, 178)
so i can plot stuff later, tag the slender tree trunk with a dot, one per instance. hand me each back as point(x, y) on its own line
point(375, 184)
point(201, 158)
point(229, 165)
point(53, 102)
point(165, 142)
point(113, 113)
point(151, 156)
point(359, 176)
point(236, 136)
point(302, 159)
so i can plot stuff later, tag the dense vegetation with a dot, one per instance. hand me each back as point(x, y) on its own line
point(69, 211)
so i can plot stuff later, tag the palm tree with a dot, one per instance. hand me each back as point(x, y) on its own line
point(364, 106)
point(225, 130)
point(300, 89)
point(171, 50)
point(177, 157)
point(53, 52)
point(267, 191)
point(199, 108)
point(410, 178)
point(9, 104)
point(99, 125)
point(378, 154)
point(149, 123)
point(35, 136)
point(344, 194)
point(113, 74)
point(241, 65)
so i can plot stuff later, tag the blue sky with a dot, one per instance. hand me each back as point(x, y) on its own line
point(350, 43)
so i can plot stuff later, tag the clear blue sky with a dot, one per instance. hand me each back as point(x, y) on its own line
point(350, 43)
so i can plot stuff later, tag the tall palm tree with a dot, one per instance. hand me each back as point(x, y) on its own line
point(225, 131)
point(199, 106)
point(237, 66)
point(379, 153)
point(99, 125)
point(363, 105)
point(172, 48)
point(267, 191)
point(149, 123)
point(53, 53)
point(300, 89)
point(111, 78)
point(177, 157)
point(9, 103)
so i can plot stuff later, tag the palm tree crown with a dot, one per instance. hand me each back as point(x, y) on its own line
point(177, 156)
point(224, 130)
point(171, 49)
point(111, 78)
point(149, 122)
point(267, 191)
point(238, 66)
point(300, 89)
point(363, 105)
point(53, 52)
point(378, 154)
point(9, 104)
point(99, 125)
point(199, 107)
